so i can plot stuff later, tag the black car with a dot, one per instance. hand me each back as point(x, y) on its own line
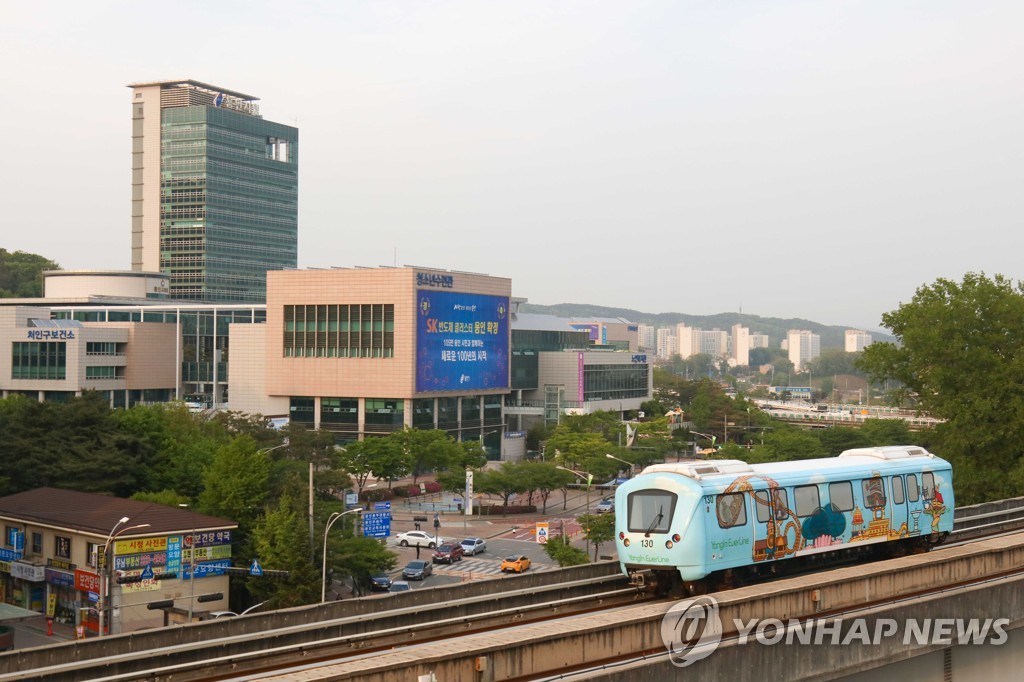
point(380, 582)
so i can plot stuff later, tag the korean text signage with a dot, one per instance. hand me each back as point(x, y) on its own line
point(433, 279)
point(136, 561)
point(141, 545)
point(51, 334)
point(28, 571)
point(377, 524)
point(9, 554)
point(461, 341)
point(579, 388)
point(86, 581)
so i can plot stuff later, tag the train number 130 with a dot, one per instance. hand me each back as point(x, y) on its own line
point(647, 543)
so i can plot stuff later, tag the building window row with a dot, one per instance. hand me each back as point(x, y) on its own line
point(339, 331)
point(39, 360)
point(104, 348)
point(104, 372)
point(615, 382)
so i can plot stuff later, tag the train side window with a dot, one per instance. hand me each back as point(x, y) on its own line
point(840, 494)
point(912, 487)
point(731, 510)
point(874, 492)
point(928, 485)
point(807, 499)
point(897, 490)
point(781, 504)
point(761, 506)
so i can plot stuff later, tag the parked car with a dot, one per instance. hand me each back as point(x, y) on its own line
point(380, 582)
point(606, 505)
point(448, 553)
point(474, 546)
point(418, 537)
point(515, 563)
point(400, 586)
point(417, 569)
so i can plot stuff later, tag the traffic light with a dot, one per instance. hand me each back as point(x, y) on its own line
point(165, 576)
point(210, 597)
point(156, 605)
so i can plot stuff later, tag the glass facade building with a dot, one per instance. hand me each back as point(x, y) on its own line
point(223, 208)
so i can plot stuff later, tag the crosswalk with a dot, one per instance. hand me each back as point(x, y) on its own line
point(482, 567)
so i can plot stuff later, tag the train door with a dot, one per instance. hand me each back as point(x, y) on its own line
point(769, 507)
point(764, 546)
point(900, 511)
point(915, 505)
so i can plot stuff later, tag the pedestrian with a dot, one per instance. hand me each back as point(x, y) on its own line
point(417, 550)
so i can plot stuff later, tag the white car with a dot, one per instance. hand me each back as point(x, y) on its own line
point(418, 538)
point(473, 546)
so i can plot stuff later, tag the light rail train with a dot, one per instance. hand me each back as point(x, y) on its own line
point(703, 524)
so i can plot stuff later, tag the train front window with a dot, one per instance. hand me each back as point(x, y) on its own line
point(650, 511)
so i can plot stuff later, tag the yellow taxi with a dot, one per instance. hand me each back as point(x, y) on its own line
point(515, 563)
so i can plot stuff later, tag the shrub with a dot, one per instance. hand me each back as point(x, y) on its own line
point(375, 495)
point(498, 510)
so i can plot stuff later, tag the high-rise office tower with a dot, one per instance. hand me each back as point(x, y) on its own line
point(214, 190)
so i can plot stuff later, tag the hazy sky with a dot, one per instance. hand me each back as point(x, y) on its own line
point(796, 159)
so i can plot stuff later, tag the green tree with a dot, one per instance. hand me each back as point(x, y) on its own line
point(183, 445)
point(787, 443)
point(958, 354)
point(21, 274)
point(563, 553)
point(504, 482)
point(357, 460)
point(235, 484)
point(280, 540)
point(598, 528)
point(359, 558)
point(426, 450)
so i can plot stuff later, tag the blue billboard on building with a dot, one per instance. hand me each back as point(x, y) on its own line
point(461, 341)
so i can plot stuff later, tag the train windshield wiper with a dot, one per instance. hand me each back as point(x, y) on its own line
point(657, 520)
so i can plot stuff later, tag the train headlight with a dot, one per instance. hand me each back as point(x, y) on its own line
point(626, 542)
point(676, 538)
point(668, 544)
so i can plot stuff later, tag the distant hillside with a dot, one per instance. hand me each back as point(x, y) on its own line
point(776, 328)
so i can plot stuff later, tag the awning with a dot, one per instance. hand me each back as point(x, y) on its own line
point(10, 612)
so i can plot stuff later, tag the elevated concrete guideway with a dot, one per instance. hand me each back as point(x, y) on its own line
point(626, 643)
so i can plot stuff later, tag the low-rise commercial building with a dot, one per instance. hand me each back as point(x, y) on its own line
point(70, 554)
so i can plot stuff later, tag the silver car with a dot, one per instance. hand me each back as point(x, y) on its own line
point(417, 570)
point(473, 546)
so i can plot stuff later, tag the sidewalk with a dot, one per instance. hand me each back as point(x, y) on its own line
point(33, 632)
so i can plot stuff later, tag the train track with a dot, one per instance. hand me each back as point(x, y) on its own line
point(247, 656)
point(986, 520)
point(254, 655)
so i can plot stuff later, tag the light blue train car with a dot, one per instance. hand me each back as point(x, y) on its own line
point(708, 521)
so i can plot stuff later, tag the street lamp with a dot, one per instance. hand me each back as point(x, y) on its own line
point(630, 464)
point(191, 562)
point(323, 571)
point(107, 563)
point(588, 478)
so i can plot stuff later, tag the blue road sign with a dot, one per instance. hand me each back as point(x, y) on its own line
point(147, 572)
point(256, 569)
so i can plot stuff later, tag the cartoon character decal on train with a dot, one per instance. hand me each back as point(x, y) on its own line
point(785, 534)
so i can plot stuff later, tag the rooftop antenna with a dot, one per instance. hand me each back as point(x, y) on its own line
point(396, 256)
